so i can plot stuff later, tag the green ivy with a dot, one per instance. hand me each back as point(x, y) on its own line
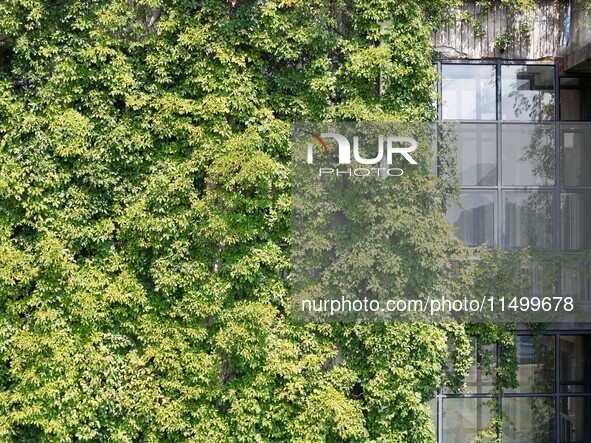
point(145, 222)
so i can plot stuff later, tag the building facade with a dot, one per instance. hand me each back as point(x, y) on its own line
point(521, 88)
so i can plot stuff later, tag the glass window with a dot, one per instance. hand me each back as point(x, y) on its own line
point(533, 410)
point(574, 364)
point(575, 281)
point(575, 98)
point(529, 420)
point(433, 408)
point(535, 359)
point(528, 219)
point(527, 92)
point(575, 212)
point(528, 154)
point(464, 417)
point(574, 423)
point(575, 155)
point(469, 92)
point(480, 376)
point(474, 220)
point(477, 154)
point(544, 278)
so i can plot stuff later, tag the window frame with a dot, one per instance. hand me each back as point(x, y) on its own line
point(557, 394)
point(557, 188)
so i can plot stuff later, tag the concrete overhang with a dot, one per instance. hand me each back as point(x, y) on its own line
point(578, 50)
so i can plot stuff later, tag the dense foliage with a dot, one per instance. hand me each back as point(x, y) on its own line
point(144, 221)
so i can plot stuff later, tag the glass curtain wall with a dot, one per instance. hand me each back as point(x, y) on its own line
point(524, 166)
point(551, 403)
point(525, 175)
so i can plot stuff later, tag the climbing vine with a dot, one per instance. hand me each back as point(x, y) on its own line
point(145, 223)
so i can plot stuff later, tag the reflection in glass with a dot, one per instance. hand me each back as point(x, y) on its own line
point(575, 212)
point(480, 377)
point(474, 221)
point(544, 280)
point(530, 420)
point(573, 389)
point(528, 219)
point(464, 417)
point(527, 92)
point(575, 281)
point(575, 155)
point(469, 92)
point(575, 98)
point(477, 154)
point(535, 357)
point(528, 154)
point(573, 419)
point(574, 364)
point(433, 407)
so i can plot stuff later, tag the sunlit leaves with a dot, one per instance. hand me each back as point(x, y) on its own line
point(145, 222)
